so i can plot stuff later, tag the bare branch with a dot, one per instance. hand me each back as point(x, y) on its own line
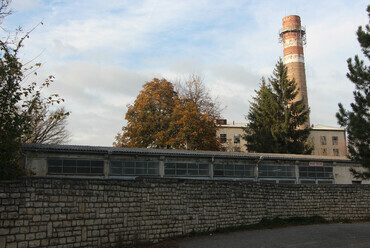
point(194, 89)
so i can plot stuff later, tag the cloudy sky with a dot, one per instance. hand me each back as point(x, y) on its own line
point(102, 52)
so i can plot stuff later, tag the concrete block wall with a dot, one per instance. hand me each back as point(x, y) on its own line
point(56, 212)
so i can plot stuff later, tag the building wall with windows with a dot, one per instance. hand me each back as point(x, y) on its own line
point(126, 163)
point(327, 141)
point(231, 137)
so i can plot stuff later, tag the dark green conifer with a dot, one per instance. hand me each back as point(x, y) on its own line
point(275, 121)
point(357, 121)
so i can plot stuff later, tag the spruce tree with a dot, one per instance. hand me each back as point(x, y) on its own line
point(275, 120)
point(357, 121)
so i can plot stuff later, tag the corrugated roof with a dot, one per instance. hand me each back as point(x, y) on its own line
point(315, 127)
point(323, 127)
point(172, 152)
point(235, 125)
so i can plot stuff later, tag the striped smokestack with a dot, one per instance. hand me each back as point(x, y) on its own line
point(293, 37)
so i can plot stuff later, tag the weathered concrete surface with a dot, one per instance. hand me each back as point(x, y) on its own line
point(332, 235)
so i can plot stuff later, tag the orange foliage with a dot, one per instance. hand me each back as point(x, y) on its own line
point(160, 119)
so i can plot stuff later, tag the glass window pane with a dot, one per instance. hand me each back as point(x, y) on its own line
point(239, 173)
point(128, 164)
point(55, 162)
point(97, 170)
point(153, 168)
point(115, 164)
point(249, 171)
point(141, 168)
point(181, 172)
point(152, 171)
point(69, 166)
point(229, 173)
point(311, 174)
point(83, 166)
point(55, 169)
point(140, 165)
point(218, 172)
point(55, 165)
point(193, 166)
point(169, 171)
point(271, 170)
point(128, 168)
point(97, 167)
point(204, 172)
point(116, 170)
point(128, 171)
point(193, 172)
point(290, 171)
point(303, 171)
point(320, 174)
point(203, 166)
point(311, 169)
point(170, 165)
point(218, 166)
point(181, 166)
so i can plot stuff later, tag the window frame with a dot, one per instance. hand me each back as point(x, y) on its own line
point(186, 169)
point(71, 166)
point(263, 171)
point(237, 138)
point(223, 137)
point(313, 172)
point(335, 151)
point(134, 166)
point(323, 140)
point(335, 140)
point(232, 171)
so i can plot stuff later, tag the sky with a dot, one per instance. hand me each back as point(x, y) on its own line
point(102, 52)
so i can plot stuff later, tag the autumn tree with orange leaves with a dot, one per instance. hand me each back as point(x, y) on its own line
point(162, 118)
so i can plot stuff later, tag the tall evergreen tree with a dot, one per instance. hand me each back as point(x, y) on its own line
point(357, 121)
point(275, 121)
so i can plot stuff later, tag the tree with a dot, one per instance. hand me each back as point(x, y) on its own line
point(18, 104)
point(47, 126)
point(12, 122)
point(160, 118)
point(148, 120)
point(357, 121)
point(193, 129)
point(194, 89)
point(275, 120)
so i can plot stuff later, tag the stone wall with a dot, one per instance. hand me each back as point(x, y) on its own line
point(52, 212)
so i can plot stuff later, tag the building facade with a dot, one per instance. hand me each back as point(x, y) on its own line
point(326, 141)
point(128, 163)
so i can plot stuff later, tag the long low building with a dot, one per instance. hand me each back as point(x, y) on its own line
point(114, 162)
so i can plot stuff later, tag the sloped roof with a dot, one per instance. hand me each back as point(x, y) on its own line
point(240, 125)
point(173, 153)
point(323, 127)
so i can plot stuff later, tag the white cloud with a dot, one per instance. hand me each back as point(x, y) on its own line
point(25, 5)
point(103, 52)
